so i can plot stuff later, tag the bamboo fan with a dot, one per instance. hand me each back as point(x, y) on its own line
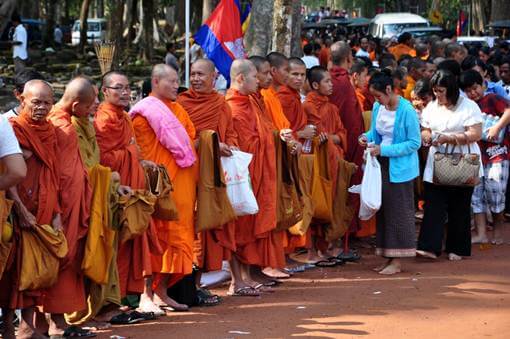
point(105, 51)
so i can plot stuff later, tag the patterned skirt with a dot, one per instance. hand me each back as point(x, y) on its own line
point(396, 230)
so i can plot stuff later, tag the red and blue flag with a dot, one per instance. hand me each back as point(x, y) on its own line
point(221, 36)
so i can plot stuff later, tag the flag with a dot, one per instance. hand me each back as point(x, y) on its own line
point(461, 23)
point(221, 36)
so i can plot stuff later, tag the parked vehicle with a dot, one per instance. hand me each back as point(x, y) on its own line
point(425, 32)
point(96, 31)
point(388, 25)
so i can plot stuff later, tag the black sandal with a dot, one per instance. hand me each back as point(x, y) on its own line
point(126, 319)
point(206, 298)
point(77, 332)
point(325, 263)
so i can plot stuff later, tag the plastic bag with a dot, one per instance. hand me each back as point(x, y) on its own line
point(237, 179)
point(370, 190)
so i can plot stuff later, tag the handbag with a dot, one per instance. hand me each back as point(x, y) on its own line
point(322, 185)
point(159, 184)
point(456, 169)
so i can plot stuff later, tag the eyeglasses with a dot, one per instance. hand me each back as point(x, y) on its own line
point(120, 88)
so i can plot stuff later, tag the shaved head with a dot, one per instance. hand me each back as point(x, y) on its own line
point(202, 76)
point(277, 59)
point(36, 100)
point(340, 53)
point(162, 70)
point(109, 76)
point(241, 66)
point(77, 90)
point(165, 82)
point(243, 76)
point(263, 71)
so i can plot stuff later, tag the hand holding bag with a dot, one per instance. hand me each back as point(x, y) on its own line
point(456, 169)
point(159, 184)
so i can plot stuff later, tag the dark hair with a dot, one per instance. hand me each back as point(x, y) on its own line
point(415, 63)
point(15, 17)
point(358, 66)
point(146, 88)
point(398, 73)
point(422, 88)
point(451, 48)
point(315, 74)
point(25, 76)
point(471, 62)
point(450, 65)
point(169, 45)
point(105, 80)
point(308, 49)
point(257, 61)
point(447, 79)
point(276, 59)
point(296, 61)
point(404, 37)
point(486, 50)
point(381, 80)
point(470, 78)
point(504, 60)
point(317, 47)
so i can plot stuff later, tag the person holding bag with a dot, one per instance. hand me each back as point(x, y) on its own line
point(394, 137)
point(451, 124)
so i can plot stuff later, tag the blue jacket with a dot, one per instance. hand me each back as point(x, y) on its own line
point(404, 165)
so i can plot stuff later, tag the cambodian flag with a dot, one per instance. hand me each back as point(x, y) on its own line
point(221, 36)
point(461, 23)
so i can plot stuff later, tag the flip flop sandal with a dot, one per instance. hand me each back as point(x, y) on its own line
point(244, 292)
point(144, 315)
point(77, 332)
point(168, 308)
point(125, 319)
point(325, 263)
point(205, 298)
point(296, 269)
point(271, 283)
point(262, 288)
point(351, 256)
point(337, 261)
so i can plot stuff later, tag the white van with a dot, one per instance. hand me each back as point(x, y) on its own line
point(388, 25)
point(96, 31)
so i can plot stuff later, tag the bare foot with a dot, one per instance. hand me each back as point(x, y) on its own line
point(497, 236)
point(392, 268)
point(106, 316)
point(382, 266)
point(93, 325)
point(477, 239)
point(275, 273)
point(454, 257)
point(162, 300)
point(26, 332)
point(147, 305)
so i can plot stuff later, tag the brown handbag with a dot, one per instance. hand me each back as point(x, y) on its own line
point(159, 184)
point(322, 185)
point(213, 206)
point(456, 169)
point(289, 207)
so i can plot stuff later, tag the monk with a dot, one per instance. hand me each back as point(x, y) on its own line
point(344, 97)
point(35, 199)
point(176, 237)
point(359, 79)
point(208, 110)
point(119, 151)
point(254, 237)
point(415, 71)
point(278, 72)
point(290, 98)
point(75, 195)
point(404, 47)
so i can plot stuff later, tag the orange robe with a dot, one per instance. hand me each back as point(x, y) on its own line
point(402, 49)
point(176, 237)
point(75, 195)
point(274, 108)
point(211, 112)
point(406, 93)
point(256, 242)
point(116, 140)
point(39, 194)
point(324, 56)
point(292, 107)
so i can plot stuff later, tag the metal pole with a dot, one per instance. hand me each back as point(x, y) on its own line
point(186, 43)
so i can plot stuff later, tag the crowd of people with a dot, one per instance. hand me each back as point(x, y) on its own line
point(89, 242)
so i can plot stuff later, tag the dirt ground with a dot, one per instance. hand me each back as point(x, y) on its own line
point(441, 299)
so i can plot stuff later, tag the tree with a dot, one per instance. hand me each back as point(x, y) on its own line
point(115, 27)
point(208, 6)
point(295, 47)
point(282, 26)
point(6, 9)
point(50, 13)
point(500, 10)
point(258, 37)
point(148, 31)
point(84, 14)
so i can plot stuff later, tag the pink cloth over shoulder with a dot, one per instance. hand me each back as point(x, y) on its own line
point(168, 129)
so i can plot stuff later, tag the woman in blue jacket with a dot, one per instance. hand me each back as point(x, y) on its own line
point(394, 137)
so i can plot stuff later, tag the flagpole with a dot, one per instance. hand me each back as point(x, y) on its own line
point(186, 43)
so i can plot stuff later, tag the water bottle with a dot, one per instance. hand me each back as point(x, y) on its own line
point(307, 146)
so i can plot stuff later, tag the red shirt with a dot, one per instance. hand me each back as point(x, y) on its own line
point(494, 105)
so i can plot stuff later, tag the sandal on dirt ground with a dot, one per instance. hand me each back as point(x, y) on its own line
point(351, 256)
point(126, 319)
point(244, 292)
point(74, 332)
point(261, 288)
point(325, 263)
point(144, 315)
point(205, 298)
point(168, 308)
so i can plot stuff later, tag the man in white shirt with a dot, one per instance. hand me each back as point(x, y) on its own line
point(363, 48)
point(309, 59)
point(11, 157)
point(20, 44)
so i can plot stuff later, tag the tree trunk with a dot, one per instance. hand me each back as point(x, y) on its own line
point(84, 14)
point(295, 47)
point(479, 15)
point(500, 10)
point(115, 28)
point(258, 37)
point(209, 6)
point(282, 26)
point(148, 29)
point(50, 12)
point(131, 15)
point(7, 7)
point(180, 14)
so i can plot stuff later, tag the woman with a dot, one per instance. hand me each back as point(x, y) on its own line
point(395, 134)
point(449, 120)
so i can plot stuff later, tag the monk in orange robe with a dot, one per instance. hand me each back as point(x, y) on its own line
point(208, 110)
point(415, 71)
point(405, 46)
point(176, 237)
point(254, 233)
point(75, 195)
point(279, 72)
point(35, 200)
point(119, 151)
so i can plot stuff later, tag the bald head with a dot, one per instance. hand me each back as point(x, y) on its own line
point(202, 76)
point(243, 75)
point(78, 97)
point(341, 53)
point(165, 82)
point(36, 100)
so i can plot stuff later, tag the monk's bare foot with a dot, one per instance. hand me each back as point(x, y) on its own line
point(275, 273)
point(334, 251)
point(454, 257)
point(480, 239)
point(242, 289)
point(27, 332)
point(147, 305)
point(164, 301)
point(382, 266)
point(57, 324)
point(393, 268)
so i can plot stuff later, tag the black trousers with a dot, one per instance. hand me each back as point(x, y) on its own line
point(446, 203)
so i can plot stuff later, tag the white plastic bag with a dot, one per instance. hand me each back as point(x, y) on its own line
point(370, 190)
point(237, 178)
